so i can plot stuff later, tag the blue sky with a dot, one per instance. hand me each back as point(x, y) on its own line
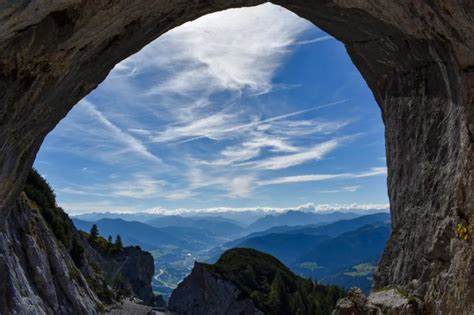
point(240, 109)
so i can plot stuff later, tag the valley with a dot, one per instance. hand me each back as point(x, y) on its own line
point(333, 248)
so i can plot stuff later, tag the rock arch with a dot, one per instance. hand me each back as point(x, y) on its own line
point(416, 56)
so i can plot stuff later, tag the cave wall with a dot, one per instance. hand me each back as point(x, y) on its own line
point(416, 56)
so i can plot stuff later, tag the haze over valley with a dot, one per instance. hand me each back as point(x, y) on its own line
point(340, 248)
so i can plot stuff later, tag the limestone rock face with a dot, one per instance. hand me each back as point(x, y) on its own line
point(37, 275)
point(416, 56)
point(384, 302)
point(203, 292)
point(137, 269)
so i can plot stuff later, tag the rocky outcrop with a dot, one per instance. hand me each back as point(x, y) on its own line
point(203, 292)
point(127, 273)
point(416, 56)
point(390, 301)
point(134, 269)
point(37, 275)
point(48, 267)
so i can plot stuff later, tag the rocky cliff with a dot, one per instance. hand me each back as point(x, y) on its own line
point(203, 292)
point(416, 56)
point(37, 273)
point(48, 267)
point(246, 281)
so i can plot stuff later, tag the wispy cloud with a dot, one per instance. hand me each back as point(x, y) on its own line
point(314, 40)
point(241, 186)
point(212, 127)
point(376, 171)
point(197, 115)
point(180, 195)
point(341, 190)
point(316, 152)
point(140, 187)
point(202, 57)
point(131, 143)
point(233, 129)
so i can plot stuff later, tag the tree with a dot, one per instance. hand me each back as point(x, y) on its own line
point(76, 252)
point(94, 232)
point(277, 295)
point(110, 244)
point(297, 304)
point(118, 243)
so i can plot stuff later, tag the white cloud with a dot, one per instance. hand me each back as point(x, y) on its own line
point(192, 84)
point(375, 171)
point(201, 56)
point(131, 143)
point(241, 186)
point(251, 149)
point(179, 195)
point(309, 207)
point(299, 128)
point(102, 206)
point(341, 190)
point(85, 207)
point(232, 129)
point(212, 127)
point(316, 152)
point(139, 187)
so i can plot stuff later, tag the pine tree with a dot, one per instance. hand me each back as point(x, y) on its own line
point(110, 244)
point(76, 252)
point(277, 296)
point(118, 243)
point(297, 305)
point(94, 233)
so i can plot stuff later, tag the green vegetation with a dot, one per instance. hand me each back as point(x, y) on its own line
point(118, 246)
point(465, 230)
point(38, 191)
point(94, 233)
point(41, 194)
point(310, 265)
point(105, 246)
point(462, 232)
point(272, 286)
point(361, 270)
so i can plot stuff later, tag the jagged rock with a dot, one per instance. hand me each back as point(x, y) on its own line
point(384, 302)
point(129, 270)
point(416, 56)
point(205, 293)
point(137, 269)
point(37, 275)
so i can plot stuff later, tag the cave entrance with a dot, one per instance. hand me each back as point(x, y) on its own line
point(241, 109)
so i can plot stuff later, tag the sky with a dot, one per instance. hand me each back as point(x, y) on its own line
point(240, 109)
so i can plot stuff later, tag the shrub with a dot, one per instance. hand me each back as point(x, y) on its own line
point(462, 231)
point(40, 192)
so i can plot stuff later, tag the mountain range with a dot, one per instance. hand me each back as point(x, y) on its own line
point(340, 248)
point(292, 218)
point(344, 252)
